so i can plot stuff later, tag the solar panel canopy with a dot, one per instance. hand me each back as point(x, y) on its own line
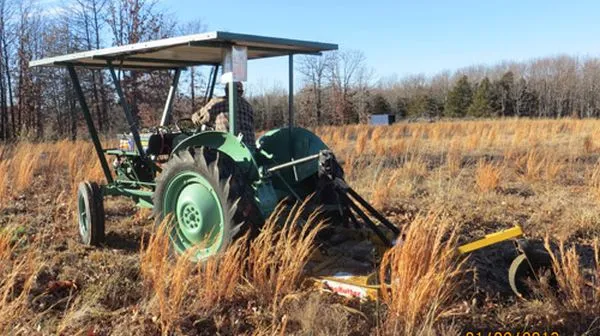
point(184, 51)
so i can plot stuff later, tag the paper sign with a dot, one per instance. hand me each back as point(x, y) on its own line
point(235, 63)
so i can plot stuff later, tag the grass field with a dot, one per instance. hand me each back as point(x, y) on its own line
point(444, 183)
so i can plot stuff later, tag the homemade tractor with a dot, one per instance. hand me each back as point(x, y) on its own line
point(209, 185)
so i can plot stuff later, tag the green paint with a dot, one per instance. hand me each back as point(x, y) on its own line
point(278, 143)
point(199, 219)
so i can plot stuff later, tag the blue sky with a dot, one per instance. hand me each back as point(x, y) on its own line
point(408, 37)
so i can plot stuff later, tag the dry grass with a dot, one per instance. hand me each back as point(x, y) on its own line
point(487, 176)
point(424, 272)
point(578, 290)
point(384, 189)
point(278, 255)
point(4, 182)
point(545, 174)
point(24, 163)
point(270, 269)
point(454, 159)
point(179, 287)
point(18, 272)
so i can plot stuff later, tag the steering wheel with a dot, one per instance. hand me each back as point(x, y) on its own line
point(186, 125)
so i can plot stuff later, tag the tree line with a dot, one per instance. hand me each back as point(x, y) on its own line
point(550, 87)
point(337, 88)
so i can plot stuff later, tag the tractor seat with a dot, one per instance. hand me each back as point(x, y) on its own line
point(158, 143)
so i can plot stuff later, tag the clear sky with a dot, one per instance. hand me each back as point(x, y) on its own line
point(408, 37)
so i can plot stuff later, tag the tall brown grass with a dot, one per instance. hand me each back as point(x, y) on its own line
point(278, 255)
point(454, 159)
point(178, 287)
point(4, 182)
point(588, 144)
point(579, 289)
point(270, 268)
point(384, 188)
point(424, 275)
point(361, 142)
point(24, 163)
point(487, 176)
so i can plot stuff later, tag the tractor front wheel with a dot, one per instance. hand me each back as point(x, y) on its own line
point(193, 199)
point(90, 208)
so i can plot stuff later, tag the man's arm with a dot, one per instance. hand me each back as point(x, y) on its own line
point(207, 114)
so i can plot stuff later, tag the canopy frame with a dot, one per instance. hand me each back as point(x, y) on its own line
point(147, 57)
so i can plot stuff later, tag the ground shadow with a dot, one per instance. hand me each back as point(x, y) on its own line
point(126, 241)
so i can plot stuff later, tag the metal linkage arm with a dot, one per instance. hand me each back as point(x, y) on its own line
point(373, 212)
point(367, 220)
point(293, 163)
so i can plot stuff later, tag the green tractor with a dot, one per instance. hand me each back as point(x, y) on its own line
point(208, 185)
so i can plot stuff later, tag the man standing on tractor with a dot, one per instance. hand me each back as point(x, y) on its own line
point(215, 115)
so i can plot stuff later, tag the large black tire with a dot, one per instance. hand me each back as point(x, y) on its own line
point(90, 207)
point(184, 178)
point(247, 214)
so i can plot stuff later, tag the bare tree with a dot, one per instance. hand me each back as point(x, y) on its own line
point(87, 18)
point(133, 21)
point(195, 76)
point(345, 69)
point(314, 70)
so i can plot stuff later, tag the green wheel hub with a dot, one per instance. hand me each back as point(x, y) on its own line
point(198, 216)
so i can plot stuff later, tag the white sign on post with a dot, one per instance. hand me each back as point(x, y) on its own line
point(235, 63)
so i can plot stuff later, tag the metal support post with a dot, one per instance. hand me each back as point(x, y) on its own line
point(232, 107)
point(128, 115)
point(291, 110)
point(291, 92)
point(170, 98)
point(213, 82)
point(90, 123)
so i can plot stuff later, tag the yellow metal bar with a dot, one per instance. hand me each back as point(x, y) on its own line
point(491, 239)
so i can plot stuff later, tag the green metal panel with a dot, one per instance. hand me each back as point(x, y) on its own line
point(265, 196)
point(227, 144)
point(277, 143)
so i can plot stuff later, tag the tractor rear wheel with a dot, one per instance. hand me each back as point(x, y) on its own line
point(90, 208)
point(193, 198)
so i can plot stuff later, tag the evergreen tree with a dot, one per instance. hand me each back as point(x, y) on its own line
point(380, 105)
point(401, 107)
point(506, 101)
point(483, 100)
point(527, 100)
point(459, 98)
point(423, 105)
